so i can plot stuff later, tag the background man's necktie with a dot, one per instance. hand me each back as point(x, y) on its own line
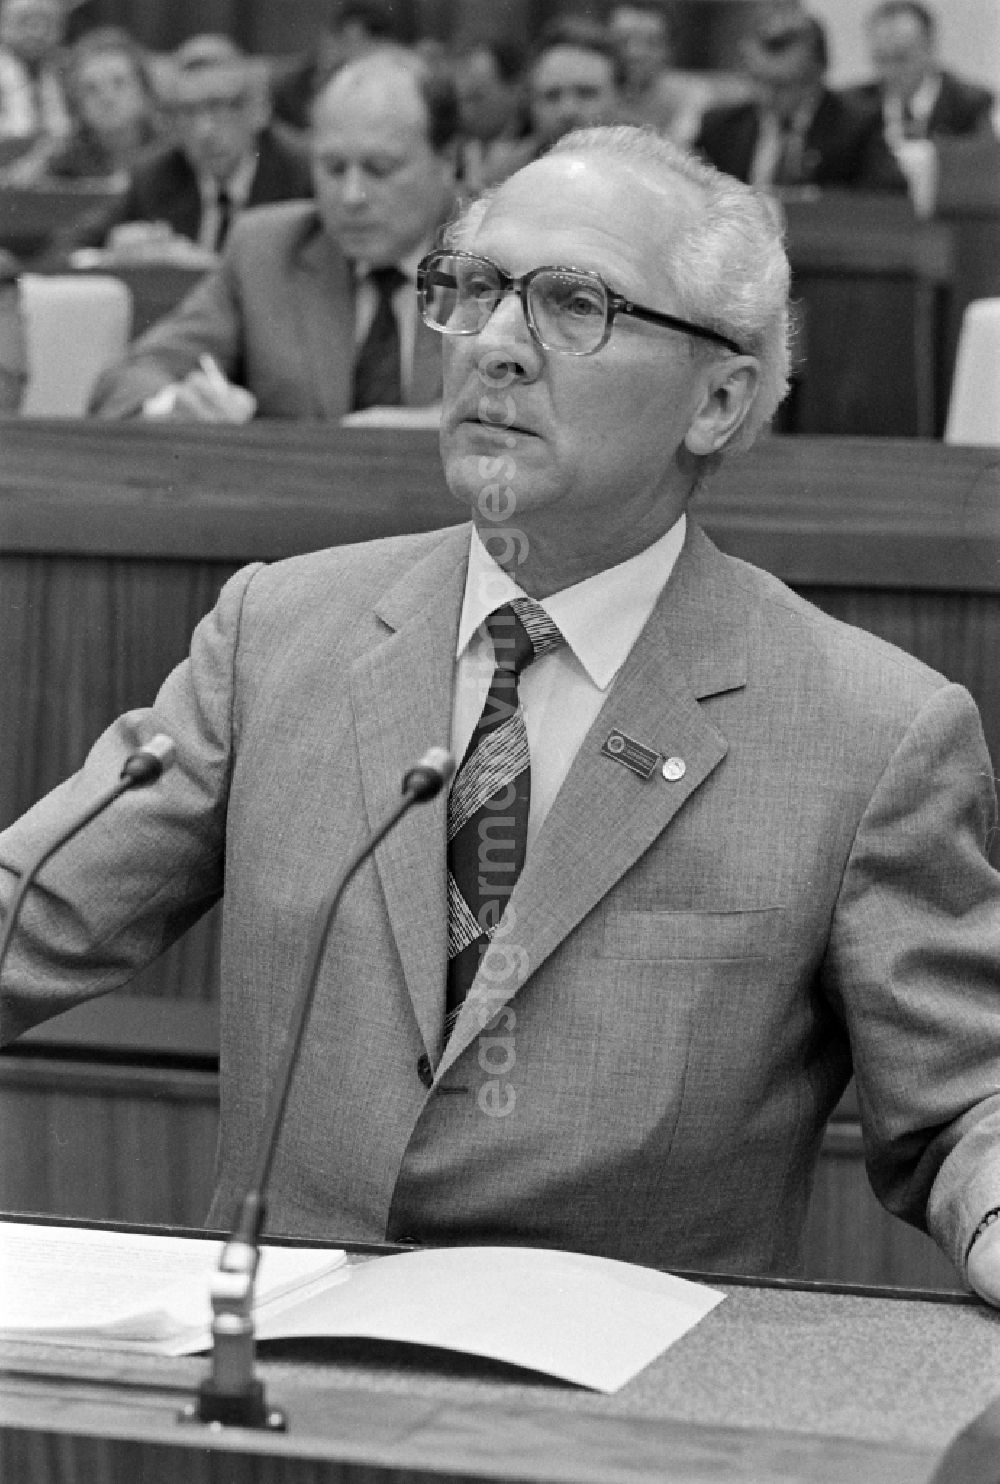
point(224, 217)
point(490, 797)
point(377, 381)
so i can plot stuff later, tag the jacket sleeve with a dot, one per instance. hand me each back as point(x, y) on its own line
point(133, 881)
point(914, 960)
point(208, 321)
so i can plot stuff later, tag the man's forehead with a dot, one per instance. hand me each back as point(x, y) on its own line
point(586, 210)
point(563, 63)
point(227, 83)
point(384, 103)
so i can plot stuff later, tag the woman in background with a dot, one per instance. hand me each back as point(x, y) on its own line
point(114, 106)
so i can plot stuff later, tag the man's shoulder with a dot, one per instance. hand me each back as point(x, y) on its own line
point(283, 167)
point(789, 633)
point(280, 226)
point(162, 168)
point(354, 575)
point(962, 93)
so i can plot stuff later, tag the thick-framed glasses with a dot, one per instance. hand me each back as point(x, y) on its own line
point(568, 310)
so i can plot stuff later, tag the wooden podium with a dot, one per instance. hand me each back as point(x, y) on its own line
point(780, 1382)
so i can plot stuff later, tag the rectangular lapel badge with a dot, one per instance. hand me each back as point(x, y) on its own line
point(641, 760)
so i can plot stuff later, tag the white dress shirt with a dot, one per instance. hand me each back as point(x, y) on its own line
point(561, 692)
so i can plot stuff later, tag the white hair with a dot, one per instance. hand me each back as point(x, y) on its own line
point(727, 268)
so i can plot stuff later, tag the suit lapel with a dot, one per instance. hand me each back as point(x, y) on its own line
point(605, 817)
point(323, 291)
point(402, 696)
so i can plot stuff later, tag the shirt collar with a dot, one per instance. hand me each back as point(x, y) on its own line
point(599, 618)
point(236, 185)
point(407, 264)
point(921, 102)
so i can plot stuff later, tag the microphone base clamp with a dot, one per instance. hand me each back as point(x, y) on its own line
point(217, 1409)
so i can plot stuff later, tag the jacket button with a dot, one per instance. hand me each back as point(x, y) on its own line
point(425, 1071)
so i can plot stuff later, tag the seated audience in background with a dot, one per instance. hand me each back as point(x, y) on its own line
point(708, 850)
point(574, 81)
point(797, 132)
point(652, 92)
point(226, 156)
point(311, 312)
point(492, 109)
point(13, 352)
point(911, 92)
point(34, 114)
point(354, 26)
point(117, 115)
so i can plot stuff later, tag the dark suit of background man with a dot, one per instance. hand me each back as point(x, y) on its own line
point(915, 97)
point(225, 156)
point(312, 311)
point(797, 132)
point(707, 848)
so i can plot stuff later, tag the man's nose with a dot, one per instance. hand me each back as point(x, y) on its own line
point(506, 343)
point(352, 185)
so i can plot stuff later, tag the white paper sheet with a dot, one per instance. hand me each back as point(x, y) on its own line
point(589, 1320)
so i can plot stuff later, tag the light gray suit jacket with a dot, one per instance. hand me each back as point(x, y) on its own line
point(278, 316)
point(691, 962)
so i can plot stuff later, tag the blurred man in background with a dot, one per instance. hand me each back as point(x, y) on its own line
point(913, 95)
point(574, 82)
point(797, 132)
point(492, 108)
point(225, 157)
point(311, 311)
point(653, 92)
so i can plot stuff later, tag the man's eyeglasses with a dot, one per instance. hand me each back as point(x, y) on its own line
point(566, 309)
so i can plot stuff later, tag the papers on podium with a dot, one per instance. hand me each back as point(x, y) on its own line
point(589, 1320)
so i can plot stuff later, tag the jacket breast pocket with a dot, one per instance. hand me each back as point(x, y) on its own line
point(726, 934)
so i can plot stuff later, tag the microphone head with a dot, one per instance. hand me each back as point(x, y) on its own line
point(151, 760)
point(429, 776)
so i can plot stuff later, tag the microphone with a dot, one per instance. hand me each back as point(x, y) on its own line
point(231, 1394)
point(144, 766)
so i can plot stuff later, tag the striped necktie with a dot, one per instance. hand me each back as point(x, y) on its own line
point(490, 797)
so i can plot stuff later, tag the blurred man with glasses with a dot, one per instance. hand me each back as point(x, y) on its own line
point(705, 850)
point(224, 157)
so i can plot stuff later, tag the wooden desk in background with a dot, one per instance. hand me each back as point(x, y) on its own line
point(114, 540)
point(780, 1383)
point(30, 216)
point(872, 283)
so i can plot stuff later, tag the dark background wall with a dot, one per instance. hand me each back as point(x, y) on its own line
point(705, 31)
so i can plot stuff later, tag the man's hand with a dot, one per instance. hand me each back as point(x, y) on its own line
point(206, 396)
point(983, 1270)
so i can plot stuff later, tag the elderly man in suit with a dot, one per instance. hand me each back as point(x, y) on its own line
point(311, 312)
point(915, 97)
point(797, 131)
point(705, 849)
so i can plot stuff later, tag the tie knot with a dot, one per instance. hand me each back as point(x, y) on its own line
point(386, 280)
point(521, 631)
